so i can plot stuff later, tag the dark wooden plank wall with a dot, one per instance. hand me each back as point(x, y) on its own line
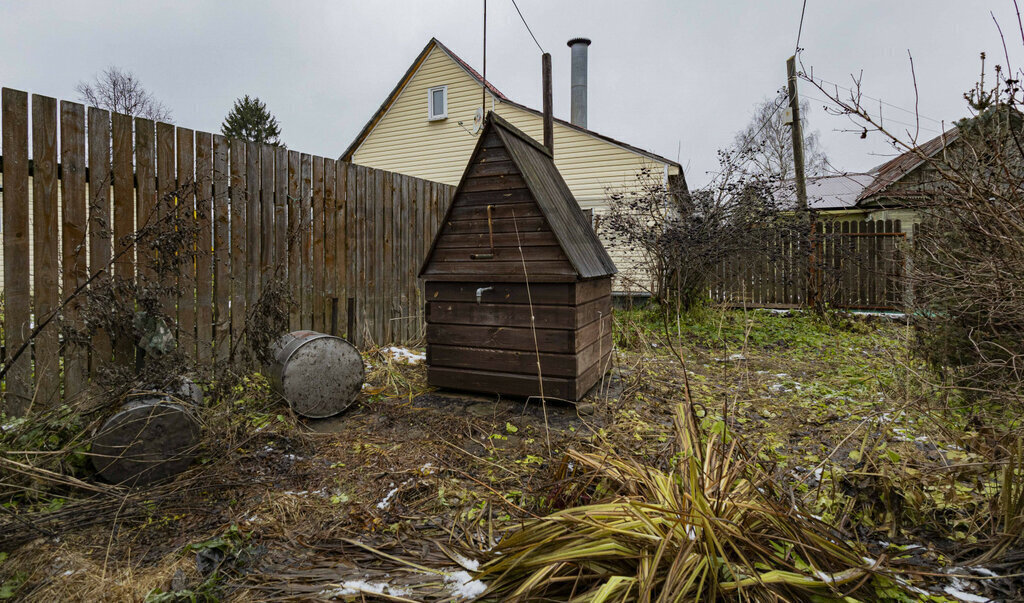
point(856, 264)
point(331, 230)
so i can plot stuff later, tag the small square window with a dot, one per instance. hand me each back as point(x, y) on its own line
point(437, 103)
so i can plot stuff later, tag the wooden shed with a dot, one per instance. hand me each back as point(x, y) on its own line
point(513, 237)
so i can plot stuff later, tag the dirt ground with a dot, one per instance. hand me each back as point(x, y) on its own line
point(403, 495)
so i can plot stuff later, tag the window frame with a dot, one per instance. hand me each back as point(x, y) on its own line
point(430, 103)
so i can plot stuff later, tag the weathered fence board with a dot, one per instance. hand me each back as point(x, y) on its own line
point(46, 290)
point(204, 265)
point(848, 264)
point(243, 272)
point(99, 221)
point(124, 218)
point(221, 251)
point(187, 269)
point(73, 242)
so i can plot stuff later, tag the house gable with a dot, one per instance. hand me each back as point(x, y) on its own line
point(400, 138)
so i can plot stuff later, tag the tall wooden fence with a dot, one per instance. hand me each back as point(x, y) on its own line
point(848, 264)
point(346, 238)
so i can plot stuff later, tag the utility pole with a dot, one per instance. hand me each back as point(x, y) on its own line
point(798, 136)
point(483, 93)
point(811, 290)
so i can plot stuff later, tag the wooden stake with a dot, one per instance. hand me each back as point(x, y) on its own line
point(549, 121)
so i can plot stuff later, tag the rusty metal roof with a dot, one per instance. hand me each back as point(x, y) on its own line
point(892, 171)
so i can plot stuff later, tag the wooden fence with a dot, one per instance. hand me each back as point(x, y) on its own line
point(848, 264)
point(346, 238)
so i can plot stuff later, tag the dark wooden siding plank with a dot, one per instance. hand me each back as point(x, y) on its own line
point(498, 382)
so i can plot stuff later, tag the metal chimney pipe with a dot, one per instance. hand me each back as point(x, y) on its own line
point(578, 79)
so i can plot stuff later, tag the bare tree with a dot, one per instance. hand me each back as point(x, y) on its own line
point(120, 91)
point(770, 143)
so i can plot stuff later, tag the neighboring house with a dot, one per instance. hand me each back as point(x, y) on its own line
point(893, 190)
point(426, 128)
point(904, 182)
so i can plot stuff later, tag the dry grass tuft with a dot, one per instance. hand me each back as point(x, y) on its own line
point(712, 526)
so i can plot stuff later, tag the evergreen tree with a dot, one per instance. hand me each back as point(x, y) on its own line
point(250, 120)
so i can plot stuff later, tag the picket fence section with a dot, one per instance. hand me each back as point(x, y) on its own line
point(348, 239)
point(856, 265)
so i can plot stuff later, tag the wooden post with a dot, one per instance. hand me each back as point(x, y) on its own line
point(801, 182)
point(549, 122)
point(798, 137)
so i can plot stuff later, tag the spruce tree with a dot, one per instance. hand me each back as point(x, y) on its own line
point(250, 120)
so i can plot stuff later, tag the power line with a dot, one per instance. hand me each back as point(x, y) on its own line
point(880, 117)
point(878, 100)
point(800, 29)
point(527, 26)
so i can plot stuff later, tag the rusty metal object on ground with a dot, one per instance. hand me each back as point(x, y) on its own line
point(319, 375)
point(151, 438)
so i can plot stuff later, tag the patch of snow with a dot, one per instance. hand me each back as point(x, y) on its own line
point(384, 504)
point(68, 572)
point(428, 469)
point(463, 586)
point(956, 589)
point(737, 357)
point(469, 564)
point(817, 474)
point(404, 355)
point(355, 587)
point(984, 571)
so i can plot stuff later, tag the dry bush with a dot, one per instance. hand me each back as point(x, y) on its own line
point(680, 238)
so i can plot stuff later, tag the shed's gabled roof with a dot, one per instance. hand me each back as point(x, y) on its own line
point(570, 225)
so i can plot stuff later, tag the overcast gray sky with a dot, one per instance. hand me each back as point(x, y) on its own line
point(676, 77)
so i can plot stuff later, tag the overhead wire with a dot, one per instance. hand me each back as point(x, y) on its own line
point(527, 26)
point(816, 80)
point(800, 29)
point(880, 116)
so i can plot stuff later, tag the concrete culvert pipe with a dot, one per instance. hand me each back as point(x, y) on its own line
point(151, 438)
point(319, 375)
